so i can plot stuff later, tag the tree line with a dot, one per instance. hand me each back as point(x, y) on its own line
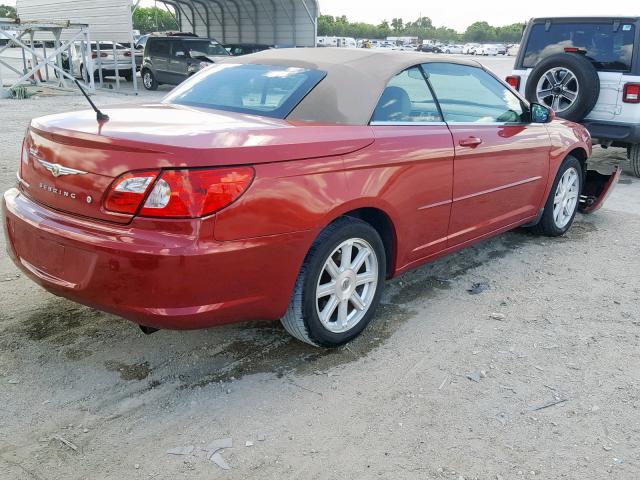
point(422, 28)
point(7, 11)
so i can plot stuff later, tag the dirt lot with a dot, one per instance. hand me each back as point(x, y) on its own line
point(550, 340)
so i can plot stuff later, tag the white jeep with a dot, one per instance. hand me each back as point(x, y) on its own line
point(588, 70)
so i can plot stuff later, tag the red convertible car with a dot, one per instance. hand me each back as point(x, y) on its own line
point(289, 184)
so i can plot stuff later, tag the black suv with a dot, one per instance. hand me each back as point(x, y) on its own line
point(588, 70)
point(173, 58)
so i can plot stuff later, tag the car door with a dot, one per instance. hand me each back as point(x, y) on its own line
point(409, 167)
point(177, 63)
point(501, 158)
point(159, 50)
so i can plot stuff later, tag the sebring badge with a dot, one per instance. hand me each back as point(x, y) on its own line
point(58, 170)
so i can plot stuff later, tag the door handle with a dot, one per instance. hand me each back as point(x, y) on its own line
point(472, 142)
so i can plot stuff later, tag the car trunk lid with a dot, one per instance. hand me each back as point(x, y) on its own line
point(71, 160)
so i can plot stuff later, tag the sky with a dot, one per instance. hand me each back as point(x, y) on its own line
point(459, 14)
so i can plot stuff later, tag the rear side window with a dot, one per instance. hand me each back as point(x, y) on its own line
point(159, 48)
point(407, 99)
point(607, 47)
point(471, 95)
point(271, 91)
point(204, 48)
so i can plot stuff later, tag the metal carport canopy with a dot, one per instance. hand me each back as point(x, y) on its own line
point(284, 23)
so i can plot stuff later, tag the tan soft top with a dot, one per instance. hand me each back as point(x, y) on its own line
point(354, 83)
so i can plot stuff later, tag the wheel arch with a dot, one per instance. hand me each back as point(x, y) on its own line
point(381, 221)
point(581, 154)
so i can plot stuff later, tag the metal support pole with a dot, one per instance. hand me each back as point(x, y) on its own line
point(115, 63)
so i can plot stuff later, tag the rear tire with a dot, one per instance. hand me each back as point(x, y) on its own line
point(149, 80)
point(563, 201)
point(634, 159)
point(335, 296)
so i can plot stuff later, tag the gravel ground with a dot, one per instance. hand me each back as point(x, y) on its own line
point(550, 346)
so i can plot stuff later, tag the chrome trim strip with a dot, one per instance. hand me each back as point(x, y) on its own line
point(502, 187)
point(406, 124)
point(433, 205)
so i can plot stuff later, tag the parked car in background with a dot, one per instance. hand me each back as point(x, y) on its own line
point(470, 48)
point(141, 41)
point(453, 49)
point(237, 49)
point(173, 59)
point(405, 48)
point(426, 48)
point(275, 186)
point(512, 50)
point(102, 56)
point(502, 49)
point(340, 42)
point(588, 70)
point(486, 50)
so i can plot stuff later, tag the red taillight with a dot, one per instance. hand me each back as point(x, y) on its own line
point(129, 190)
point(127, 54)
point(196, 193)
point(178, 193)
point(631, 93)
point(24, 155)
point(94, 55)
point(513, 81)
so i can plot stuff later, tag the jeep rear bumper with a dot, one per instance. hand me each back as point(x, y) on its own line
point(613, 132)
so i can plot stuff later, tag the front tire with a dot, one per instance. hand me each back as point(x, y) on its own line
point(563, 201)
point(634, 159)
point(339, 285)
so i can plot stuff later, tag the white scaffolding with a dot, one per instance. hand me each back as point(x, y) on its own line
point(38, 62)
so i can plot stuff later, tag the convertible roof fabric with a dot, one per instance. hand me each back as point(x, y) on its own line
point(354, 83)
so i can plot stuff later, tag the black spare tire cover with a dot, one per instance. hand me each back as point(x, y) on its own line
point(559, 87)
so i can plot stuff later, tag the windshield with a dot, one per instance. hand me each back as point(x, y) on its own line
point(609, 46)
point(266, 90)
point(205, 48)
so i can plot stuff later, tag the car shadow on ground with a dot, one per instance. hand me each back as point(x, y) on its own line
point(64, 332)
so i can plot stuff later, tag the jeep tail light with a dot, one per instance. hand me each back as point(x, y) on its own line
point(514, 81)
point(185, 193)
point(196, 193)
point(129, 190)
point(631, 93)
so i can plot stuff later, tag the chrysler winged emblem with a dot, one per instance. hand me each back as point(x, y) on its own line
point(58, 170)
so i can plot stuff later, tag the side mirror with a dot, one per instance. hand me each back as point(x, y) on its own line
point(541, 114)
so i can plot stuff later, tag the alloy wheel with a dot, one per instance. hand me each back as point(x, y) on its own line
point(147, 80)
point(347, 285)
point(566, 198)
point(558, 89)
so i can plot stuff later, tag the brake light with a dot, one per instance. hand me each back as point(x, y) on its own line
point(178, 193)
point(127, 54)
point(196, 193)
point(24, 156)
point(129, 190)
point(94, 55)
point(631, 93)
point(513, 81)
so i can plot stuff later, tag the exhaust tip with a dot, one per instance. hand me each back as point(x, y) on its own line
point(148, 330)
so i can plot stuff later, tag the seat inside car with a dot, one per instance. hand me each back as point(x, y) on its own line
point(394, 106)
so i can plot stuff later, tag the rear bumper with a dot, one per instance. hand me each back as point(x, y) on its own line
point(162, 275)
point(617, 132)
